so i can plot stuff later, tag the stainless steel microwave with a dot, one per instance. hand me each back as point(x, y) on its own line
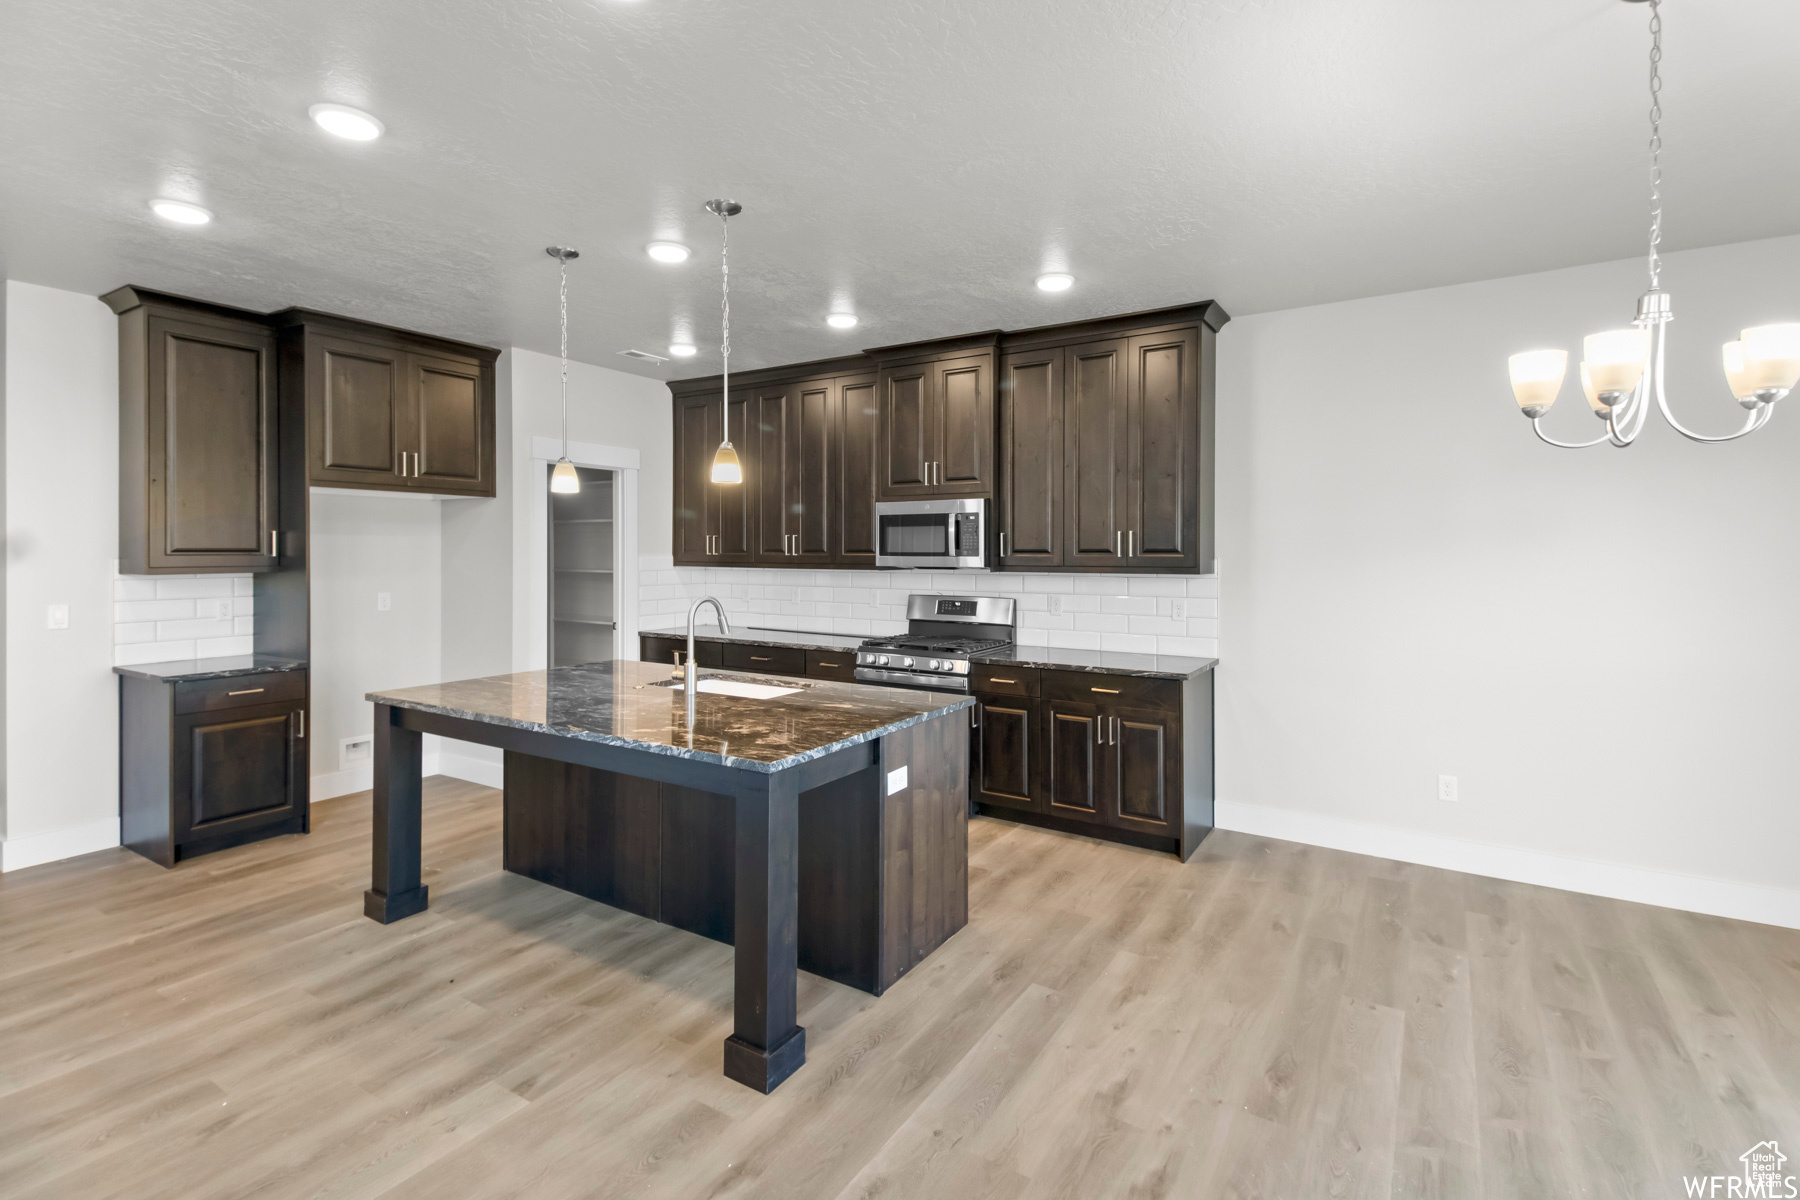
point(939, 534)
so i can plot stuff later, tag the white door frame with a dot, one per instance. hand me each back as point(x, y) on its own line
point(622, 461)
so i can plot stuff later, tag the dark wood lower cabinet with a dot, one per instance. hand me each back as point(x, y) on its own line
point(1006, 752)
point(202, 768)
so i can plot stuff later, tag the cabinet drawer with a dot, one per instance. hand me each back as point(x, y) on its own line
point(652, 648)
point(1002, 680)
point(1130, 690)
point(832, 664)
point(779, 660)
point(204, 695)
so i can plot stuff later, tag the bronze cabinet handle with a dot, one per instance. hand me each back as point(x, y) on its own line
point(758, 658)
point(246, 692)
point(826, 664)
point(1108, 691)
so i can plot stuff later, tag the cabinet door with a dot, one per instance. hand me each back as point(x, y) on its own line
point(451, 422)
point(736, 504)
point(908, 441)
point(963, 449)
point(358, 412)
point(771, 434)
point(1094, 423)
point(1163, 433)
point(1031, 459)
point(696, 501)
point(1072, 779)
point(858, 418)
point(1006, 735)
point(211, 498)
point(811, 495)
point(235, 770)
point(1143, 770)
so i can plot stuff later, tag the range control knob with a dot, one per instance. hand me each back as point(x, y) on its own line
point(906, 662)
point(883, 660)
point(933, 665)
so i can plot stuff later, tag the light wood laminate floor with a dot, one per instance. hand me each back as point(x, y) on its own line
point(1268, 1020)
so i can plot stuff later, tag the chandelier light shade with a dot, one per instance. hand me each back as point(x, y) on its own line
point(725, 465)
point(564, 479)
point(1622, 370)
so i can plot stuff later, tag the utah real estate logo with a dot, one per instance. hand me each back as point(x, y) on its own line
point(1763, 1178)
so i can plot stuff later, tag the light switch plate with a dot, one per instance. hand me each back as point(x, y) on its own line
point(896, 780)
point(56, 617)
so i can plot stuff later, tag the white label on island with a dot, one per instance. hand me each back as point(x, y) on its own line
point(896, 780)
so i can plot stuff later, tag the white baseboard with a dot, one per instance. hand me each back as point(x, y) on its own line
point(1667, 889)
point(20, 852)
point(432, 762)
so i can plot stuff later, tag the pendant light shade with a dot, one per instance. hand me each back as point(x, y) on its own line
point(725, 465)
point(563, 480)
point(726, 468)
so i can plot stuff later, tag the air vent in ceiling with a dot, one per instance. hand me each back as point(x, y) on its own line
point(644, 355)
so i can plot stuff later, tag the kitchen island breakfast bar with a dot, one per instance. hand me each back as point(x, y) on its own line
point(809, 823)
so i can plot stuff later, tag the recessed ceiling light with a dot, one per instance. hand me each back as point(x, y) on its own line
point(180, 212)
point(669, 252)
point(683, 350)
point(351, 123)
point(1055, 281)
point(841, 320)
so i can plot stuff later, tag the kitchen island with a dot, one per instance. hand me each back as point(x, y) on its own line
point(833, 814)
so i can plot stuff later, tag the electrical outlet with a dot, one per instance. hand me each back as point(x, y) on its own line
point(219, 610)
point(384, 601)
point(355, 751)
point(1055, 605)
point(1447, 788)
point(56, 617)
point(1178, 610)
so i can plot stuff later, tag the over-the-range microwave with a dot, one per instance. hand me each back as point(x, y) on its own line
point(939, 534)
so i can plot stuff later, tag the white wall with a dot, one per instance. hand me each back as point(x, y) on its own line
point(362, 546)
point(1598, 644)
point(606, 407)
point(62, 478)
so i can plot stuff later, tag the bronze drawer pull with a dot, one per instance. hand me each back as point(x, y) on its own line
point(826, 664)
point(758, 658)
point(997, 679)
point(245, 692)
point(1108, 691)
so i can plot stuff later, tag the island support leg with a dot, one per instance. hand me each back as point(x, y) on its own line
point(768, 1044)
point(395, 890)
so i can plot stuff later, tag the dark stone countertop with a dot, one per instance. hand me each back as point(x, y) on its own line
point(752, 636)
point(620, 703)
point(1097, 662)
point(1101, 662)
point(223, 667)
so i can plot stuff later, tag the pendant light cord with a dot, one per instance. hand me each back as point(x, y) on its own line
point(725, 318)
point(1655, 143)
point(562, 267)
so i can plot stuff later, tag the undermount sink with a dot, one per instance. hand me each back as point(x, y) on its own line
point(746, 689)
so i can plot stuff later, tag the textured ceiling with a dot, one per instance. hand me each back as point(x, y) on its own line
point(917, 160)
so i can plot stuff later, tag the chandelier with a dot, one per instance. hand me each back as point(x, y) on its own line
point(1622, 369)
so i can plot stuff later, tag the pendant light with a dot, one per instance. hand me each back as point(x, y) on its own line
point(725, 465)
point(564, 480)
point(1622, 369)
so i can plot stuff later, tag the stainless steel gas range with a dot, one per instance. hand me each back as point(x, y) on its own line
point(942, 634)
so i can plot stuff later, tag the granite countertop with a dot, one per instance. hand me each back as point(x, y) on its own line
point(1098, 662)
point(223, 667)
point(620, 703)
point(752, 636)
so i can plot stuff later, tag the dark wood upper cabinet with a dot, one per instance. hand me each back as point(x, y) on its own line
point(391, 410)
point(936, 426)
point(1161, 504)
point(198, 474)
point(1093, 439)
point(859, 418)
point(1030, 511)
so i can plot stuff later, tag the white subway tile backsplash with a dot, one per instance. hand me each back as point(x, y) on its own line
point(1113, 612)
point(175, 587)
point(173, 617)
